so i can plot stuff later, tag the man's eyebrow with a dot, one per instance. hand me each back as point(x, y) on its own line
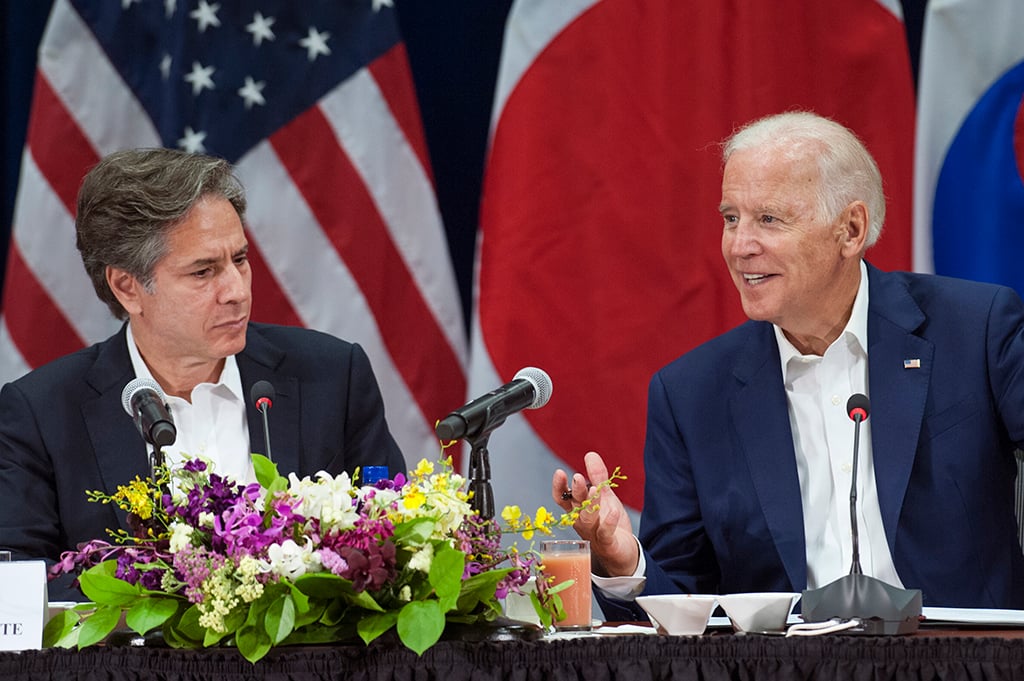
point(207, 262)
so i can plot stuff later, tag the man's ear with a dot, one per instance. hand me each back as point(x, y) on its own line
point(126, 289)
point(853, 229)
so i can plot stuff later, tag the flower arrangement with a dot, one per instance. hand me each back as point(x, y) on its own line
point(299, 561)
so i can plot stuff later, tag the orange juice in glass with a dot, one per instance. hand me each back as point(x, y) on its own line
point(566, 559)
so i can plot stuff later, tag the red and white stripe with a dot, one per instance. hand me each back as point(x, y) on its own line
point(345, 232)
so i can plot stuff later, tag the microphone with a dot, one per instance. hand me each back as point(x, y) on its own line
point(262, 394)
point(857, 408)
point(530, 388)
point(870, 605)
point(145, 402)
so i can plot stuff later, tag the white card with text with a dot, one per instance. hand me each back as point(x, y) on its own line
point(22, 604)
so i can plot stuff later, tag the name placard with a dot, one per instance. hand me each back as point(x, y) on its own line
point(22, 604)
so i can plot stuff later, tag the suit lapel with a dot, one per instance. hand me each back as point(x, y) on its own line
point(260, 361)
point(117, 444)
point(898, 394)
point(761, 418)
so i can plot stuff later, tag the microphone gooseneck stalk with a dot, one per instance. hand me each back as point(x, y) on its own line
point(855, 568)
point(262, 395)
point(866, 604)
point(857, 407)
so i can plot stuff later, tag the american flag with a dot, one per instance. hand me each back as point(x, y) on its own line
point(314, 103)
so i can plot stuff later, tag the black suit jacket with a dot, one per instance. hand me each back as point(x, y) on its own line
point(63, 431)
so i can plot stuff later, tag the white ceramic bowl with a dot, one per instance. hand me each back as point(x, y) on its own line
point(678, 614)
point(758, 613)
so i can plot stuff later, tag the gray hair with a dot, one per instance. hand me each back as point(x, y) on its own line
point(847, 171)
point(130, 201)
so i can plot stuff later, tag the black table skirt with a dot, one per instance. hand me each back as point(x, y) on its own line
point(627, 658)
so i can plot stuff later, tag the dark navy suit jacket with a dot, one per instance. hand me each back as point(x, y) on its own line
point(63, 431)
point(722, 509)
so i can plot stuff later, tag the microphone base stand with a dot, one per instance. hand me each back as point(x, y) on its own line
point(482, 500)
point(881, 608)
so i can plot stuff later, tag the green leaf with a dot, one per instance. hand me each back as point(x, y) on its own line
point(322, 634)
point(280, 618)
point(103, 588)
point(60, 631)
point(98, 625)
point(188, 626)
point(314, 612)
point(151, 612)
point(235, 619)
point(323, 585)
point(373, 625)
point(414, 532)
point(253, 642)
point(479, 589)
point(420, 625)
point(212, 638)
point(446, 575)
point(300, 599)
point(545, 616)
point(265, 469)
point(329, 586)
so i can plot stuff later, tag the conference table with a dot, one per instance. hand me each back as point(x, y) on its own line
point(930, 653)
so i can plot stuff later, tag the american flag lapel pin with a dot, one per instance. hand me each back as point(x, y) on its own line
point(912, 363)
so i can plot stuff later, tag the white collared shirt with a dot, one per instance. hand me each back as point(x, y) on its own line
point(817, 389)
point(212, 426)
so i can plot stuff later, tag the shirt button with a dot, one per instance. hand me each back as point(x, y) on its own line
point(835, 400)
point(847, 468)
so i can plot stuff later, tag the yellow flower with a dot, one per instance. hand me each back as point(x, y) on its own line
point(135, 497)
point(511, 515)
point(424, 468)
point(414, 499)
point(543, 520)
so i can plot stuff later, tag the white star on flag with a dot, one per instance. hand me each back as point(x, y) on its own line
point(206, 15)
point(315, 43)
point(252, 92)
point(192, 141)
point(260, 29)
point(200, 77)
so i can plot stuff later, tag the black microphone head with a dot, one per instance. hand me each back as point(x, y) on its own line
point(135, 386)
point(858, 406)
point(541, 385)
point(262, 390)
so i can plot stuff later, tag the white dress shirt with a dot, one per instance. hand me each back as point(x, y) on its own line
point(212, 426)
point(817, 389)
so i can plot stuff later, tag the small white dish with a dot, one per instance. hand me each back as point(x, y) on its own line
point(678, 614)
point(759, 613)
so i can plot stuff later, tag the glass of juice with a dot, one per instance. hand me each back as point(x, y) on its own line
point(565, 559)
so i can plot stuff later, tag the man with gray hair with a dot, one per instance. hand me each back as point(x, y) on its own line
point(749, 446)
point(161, 237)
